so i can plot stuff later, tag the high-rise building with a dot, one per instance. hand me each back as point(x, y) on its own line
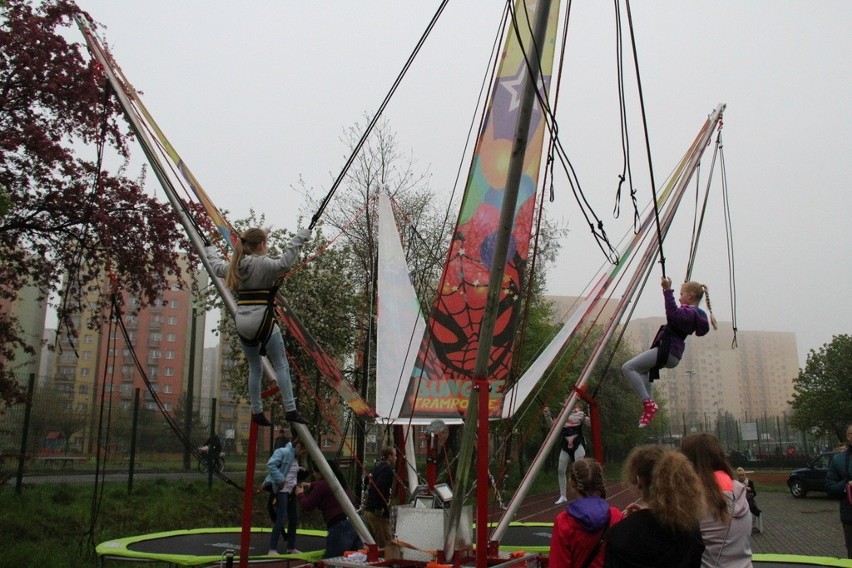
point(161, 340)
point(29, 311)
point(753, 380)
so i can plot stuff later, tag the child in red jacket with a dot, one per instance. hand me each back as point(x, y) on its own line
point(578, 531)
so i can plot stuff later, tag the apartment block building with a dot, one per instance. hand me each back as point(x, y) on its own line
point(750, 380)
point(30, 313)
point(164, 341)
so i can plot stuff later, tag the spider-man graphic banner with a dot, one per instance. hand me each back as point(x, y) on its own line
point(441, 380)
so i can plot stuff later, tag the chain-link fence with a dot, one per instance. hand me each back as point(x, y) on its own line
point(48, 437)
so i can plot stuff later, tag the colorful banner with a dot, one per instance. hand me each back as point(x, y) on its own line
point(441, 381)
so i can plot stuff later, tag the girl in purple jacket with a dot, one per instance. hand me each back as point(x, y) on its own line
point(667, 349)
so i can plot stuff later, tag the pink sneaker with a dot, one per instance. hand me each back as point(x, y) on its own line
point(650, 409)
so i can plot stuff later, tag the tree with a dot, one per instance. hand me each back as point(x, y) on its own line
point(69, 219)
point(822, 393)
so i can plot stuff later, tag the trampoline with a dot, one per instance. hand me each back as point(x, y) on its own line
point(204, 547)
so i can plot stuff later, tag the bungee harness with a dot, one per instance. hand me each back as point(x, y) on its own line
point(260, 297)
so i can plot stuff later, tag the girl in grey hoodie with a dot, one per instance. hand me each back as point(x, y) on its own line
point(253, 278)
point(726, 526)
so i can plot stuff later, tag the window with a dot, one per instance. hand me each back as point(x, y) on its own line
point(154, 354)
point(88, 355)
point(84, 371)
point(167, 389)
point(170, 354)
point(172, 320)
point(171, 337)
point(169, 372)
point(173, 304)
point(83, 389)
point(88, 338)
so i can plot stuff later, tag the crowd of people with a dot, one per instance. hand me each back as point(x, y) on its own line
point(692, 512)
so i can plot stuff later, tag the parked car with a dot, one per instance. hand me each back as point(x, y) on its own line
point(810, 478)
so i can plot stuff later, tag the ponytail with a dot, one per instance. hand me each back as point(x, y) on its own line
point(247, 243)
point(232, 278)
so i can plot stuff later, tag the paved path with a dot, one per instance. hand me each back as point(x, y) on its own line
point(809, 526)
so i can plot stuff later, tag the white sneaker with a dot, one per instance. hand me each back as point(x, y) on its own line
point(273, 553)
point(561, 500)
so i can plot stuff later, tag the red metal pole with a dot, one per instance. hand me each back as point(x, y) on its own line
point(481, 474)
point(248, 497)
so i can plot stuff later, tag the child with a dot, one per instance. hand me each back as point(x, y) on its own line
point(667, 348)
point(252, 276)
point(663, 531)
point(578, 530)
point(572, 446)
point(726, 526)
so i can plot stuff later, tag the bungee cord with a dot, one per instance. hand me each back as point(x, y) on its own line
point(626, 170)
point(647, 138)
point(342, 175)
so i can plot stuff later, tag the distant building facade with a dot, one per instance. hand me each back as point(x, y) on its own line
point(101, 360)
point(751, 381)
point(29, 311)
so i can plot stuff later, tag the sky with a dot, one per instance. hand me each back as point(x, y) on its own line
point(256, 98)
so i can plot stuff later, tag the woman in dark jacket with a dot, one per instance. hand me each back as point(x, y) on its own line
point(663, 531)
point(837, 479)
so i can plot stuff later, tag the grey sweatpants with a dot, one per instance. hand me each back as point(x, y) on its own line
point(636, 371)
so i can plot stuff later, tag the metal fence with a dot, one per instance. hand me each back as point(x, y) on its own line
point(47, 438)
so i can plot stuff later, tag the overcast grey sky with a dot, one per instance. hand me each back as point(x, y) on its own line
point(256, 95)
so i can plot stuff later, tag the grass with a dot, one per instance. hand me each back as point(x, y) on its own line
point(52, 525)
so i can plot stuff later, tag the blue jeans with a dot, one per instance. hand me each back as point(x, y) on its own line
point(636, 371)
point(278, 357)
point(342, 536)
point(285, 510)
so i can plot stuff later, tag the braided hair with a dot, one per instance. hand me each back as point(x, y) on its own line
point(699, 291)
point(587, 478)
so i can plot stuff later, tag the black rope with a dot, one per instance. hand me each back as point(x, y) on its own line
point(187, 443)
point(88, 537)
point(626, 170)
point(732, 284)
point(697, 228)
point(595, 224)
point(378, 115)
point(647, 140)
point(73, 281)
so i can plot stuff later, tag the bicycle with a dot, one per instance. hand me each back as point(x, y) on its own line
point(218, 461)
